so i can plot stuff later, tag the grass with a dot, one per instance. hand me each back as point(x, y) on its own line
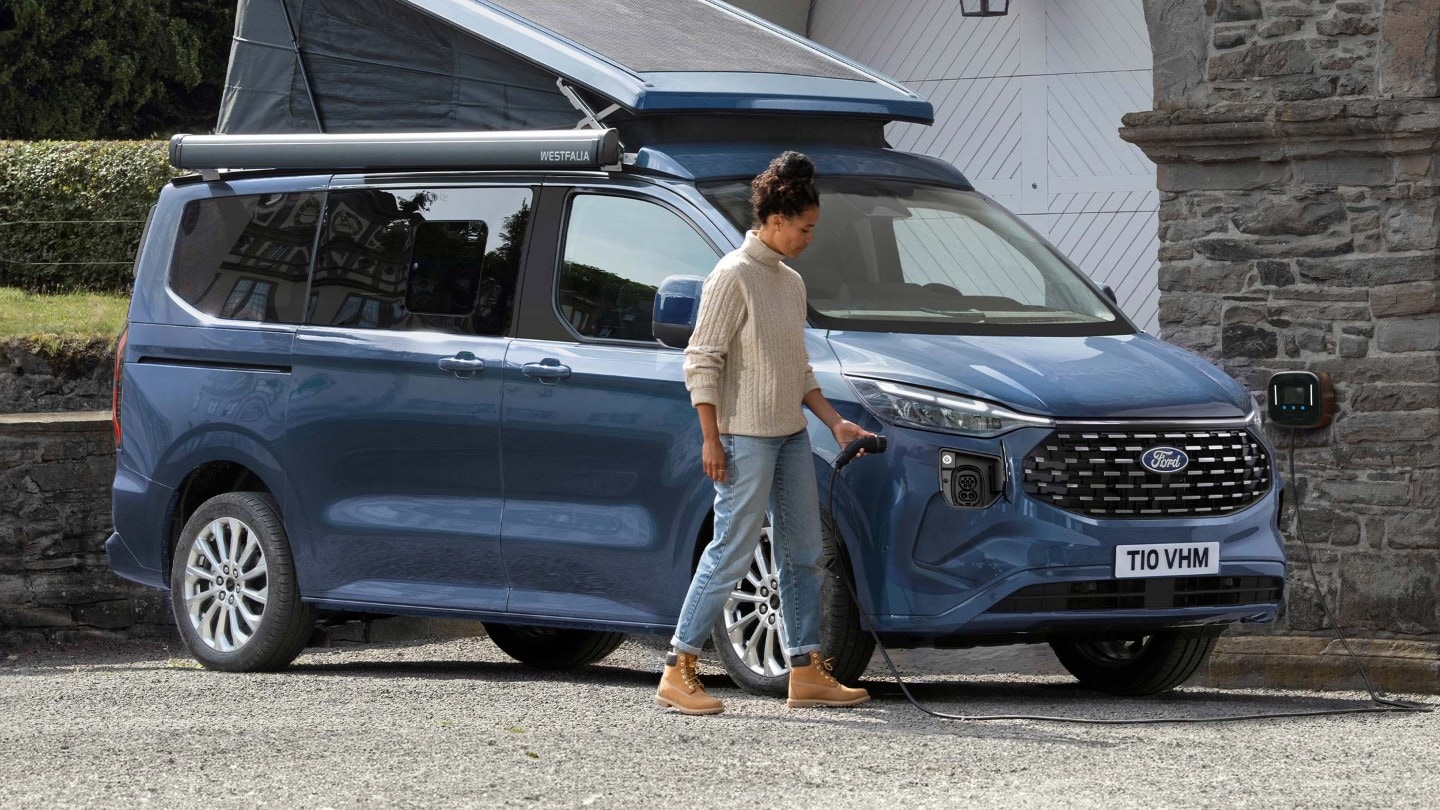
point(69, 314)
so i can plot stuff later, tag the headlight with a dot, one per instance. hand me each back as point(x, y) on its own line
point(1257, 414)
point(907, 405)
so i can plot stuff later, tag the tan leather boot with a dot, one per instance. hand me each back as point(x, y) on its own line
point(813, 685)
point(680, 687)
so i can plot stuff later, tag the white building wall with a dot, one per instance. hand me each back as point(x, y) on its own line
point(1028, 105)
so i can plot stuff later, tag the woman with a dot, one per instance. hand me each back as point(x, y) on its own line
point(748, 373)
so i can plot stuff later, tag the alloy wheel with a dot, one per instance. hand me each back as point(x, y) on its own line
point(226, 585)
point(754, 622)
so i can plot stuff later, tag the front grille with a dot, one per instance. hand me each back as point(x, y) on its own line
point(1098, 473)
point(1142, 594)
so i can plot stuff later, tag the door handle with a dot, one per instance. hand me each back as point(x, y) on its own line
point(548, 369)
point(464, 364)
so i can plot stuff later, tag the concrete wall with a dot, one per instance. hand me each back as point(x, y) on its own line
point(1297, 145)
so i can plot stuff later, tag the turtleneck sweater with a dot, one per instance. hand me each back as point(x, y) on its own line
point(747, 355)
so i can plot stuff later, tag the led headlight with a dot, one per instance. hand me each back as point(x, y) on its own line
point(907, 405)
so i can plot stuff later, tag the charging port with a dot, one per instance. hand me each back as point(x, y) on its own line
point(970, 480)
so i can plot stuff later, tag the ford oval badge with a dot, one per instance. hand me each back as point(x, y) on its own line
point(1164, 460)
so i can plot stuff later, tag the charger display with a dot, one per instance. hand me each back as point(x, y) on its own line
point(1301, 399)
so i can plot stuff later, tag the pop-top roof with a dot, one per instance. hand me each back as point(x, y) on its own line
point(415, 65)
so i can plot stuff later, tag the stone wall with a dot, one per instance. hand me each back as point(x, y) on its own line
point(44, 374)
point(1296, 144)
point(55, 473)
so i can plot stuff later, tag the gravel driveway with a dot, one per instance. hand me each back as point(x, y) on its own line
point(455, 723)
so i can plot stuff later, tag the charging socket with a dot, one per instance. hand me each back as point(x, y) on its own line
point(1301, 399)
point(970, 480)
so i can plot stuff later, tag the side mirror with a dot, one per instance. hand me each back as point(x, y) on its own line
point(677, 305)
point(1110, 293)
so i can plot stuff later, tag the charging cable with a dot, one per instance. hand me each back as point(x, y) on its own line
point(1381, 704)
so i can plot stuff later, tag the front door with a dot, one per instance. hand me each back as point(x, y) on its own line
point(394, 416)
point(604, 490)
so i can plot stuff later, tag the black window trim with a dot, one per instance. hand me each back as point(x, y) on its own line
point(573, 191)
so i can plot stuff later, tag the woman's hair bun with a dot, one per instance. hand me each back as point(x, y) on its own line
point(786, 187)
point(793, 166)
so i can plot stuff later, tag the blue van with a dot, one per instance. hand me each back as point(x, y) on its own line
point(382, 374)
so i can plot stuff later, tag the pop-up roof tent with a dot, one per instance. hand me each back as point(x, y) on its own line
point(640, 65)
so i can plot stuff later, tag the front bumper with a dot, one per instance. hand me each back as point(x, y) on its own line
point(926, 569)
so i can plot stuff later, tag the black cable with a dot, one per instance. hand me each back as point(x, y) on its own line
point(1382, 705)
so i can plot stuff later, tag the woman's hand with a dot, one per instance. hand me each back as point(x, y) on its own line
point(846, 432)
point(712, 457)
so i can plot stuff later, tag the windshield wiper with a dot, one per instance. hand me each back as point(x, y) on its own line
point(972, 315)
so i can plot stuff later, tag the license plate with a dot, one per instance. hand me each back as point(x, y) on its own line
point(1166, 560)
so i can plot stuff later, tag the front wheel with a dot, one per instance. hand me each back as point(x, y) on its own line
point(233, 587)
point(750, 636)
point(552, 647)
point(1142, 665)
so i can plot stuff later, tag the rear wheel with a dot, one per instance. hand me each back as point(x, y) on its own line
point(233, 587)
point(552, 647)
point(750, 637)
point(1141, 665)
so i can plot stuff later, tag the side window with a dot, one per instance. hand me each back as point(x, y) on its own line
point(246, 258)
point(420, 259)
point(617, 251)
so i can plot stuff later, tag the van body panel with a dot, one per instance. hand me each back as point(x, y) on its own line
point(1064, 377)
point(601, 482)
point(137, 550)
point(396, 467)
point(197, 395)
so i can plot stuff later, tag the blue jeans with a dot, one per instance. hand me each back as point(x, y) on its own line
point(761, 471)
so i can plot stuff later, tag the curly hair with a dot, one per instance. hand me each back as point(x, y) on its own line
point(786, 187)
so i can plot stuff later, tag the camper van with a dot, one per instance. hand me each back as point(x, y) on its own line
point(416, 348)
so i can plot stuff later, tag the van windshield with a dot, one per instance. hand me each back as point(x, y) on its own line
point(896, 256)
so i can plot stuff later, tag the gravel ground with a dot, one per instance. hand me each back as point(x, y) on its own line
point(455, 723)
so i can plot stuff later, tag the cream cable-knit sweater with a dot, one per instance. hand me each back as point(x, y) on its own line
point(747, 356)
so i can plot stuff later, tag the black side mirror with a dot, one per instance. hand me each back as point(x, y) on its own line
point(677, 305)
point(1110, 292)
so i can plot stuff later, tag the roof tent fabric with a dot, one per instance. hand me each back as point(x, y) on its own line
point(377, 65)
point(416, 65)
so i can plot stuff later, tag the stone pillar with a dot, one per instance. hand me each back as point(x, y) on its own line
point(1296, 144)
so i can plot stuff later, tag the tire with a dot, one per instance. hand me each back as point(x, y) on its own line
point(765, 671)
point(1143, 665)
point(233, 587)
point(551, 647)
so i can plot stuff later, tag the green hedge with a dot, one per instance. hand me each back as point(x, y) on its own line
point(103, 189)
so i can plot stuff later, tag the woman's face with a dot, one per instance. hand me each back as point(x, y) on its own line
point(791, 235)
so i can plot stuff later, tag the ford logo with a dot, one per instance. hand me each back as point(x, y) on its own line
point(1164, 460)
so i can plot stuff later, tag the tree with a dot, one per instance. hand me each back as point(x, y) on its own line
point(77, 69)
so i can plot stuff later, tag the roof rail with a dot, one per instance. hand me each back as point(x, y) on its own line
point(549, 149)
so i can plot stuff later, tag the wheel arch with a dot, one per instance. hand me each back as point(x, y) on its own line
point(202, 483)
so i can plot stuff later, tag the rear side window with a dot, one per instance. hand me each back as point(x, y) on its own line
point(617, 251)
point(247, 258)
point(420, 259)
